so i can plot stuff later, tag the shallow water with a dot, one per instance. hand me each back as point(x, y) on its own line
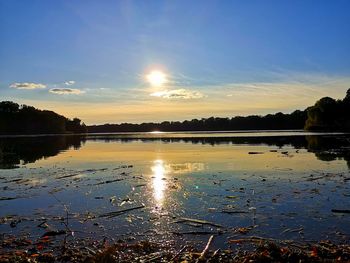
point(278, 185)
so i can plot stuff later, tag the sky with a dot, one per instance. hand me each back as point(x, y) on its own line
point(138, 61)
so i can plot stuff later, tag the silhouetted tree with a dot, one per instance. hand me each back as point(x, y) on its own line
point(15, 119)
point(329, 115)
point(75, 126)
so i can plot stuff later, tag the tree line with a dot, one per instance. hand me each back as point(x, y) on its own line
point(23, 119)
point(327, 114)
point(278, 121)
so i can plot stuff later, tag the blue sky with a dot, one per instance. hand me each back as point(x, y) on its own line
point(224, 58)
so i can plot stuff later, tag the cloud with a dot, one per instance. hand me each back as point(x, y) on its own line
point(27, 85)
point(178, 94)
point(67, 91)
point(69, 83)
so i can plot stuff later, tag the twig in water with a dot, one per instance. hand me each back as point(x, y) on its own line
point(66, 224)
point(110, 181)
point(198, 221)
point(8, 198)
point(197, 233)
point(54, 233)
point(67, 176)
point(234, 211)
point(215, 252)
point(178, 253)
point(205, 250)
point(345, 211)
point(250, 239)
point(120, 212)
point(292, 230)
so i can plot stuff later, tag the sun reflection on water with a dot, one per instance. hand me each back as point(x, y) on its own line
point(158, 181)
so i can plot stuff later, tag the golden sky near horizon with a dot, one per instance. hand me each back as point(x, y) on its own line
point(158, 100)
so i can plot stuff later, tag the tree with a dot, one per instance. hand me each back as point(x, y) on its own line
point(15, 119)
point(8, 107)
point(75, 126)
point(329, 114)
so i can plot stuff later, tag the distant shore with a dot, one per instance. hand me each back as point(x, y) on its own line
point(156, 134)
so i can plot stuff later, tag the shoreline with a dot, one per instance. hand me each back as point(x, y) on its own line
point(248, 249)
point(161, 134)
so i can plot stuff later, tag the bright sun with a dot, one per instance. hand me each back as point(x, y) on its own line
point(156, 78)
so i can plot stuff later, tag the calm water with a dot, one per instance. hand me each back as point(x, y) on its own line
point(279, 185)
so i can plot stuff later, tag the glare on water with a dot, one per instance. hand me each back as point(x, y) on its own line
point(158, 181)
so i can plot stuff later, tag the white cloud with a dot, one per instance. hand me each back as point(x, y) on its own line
point(69, 83)
point(178, 94)
point(27, 85)
point(67, 91)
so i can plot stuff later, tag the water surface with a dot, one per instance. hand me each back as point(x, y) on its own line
point(274, 184)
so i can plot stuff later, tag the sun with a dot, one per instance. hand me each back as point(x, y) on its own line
point(156, 78)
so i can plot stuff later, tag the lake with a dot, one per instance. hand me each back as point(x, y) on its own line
point(177, 187)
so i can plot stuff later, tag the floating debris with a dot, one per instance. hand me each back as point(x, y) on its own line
point(343, 211)
point(197, 221)
point(120, 212)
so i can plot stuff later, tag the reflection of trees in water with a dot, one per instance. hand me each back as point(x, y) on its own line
point(14, 151)
point(330, 148)
point(325, 147)
point(279, 141)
